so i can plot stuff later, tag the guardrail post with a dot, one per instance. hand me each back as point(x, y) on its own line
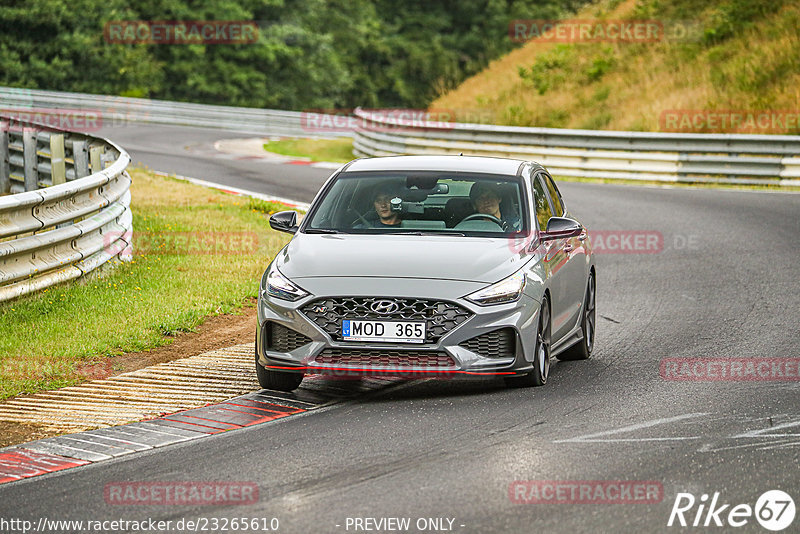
point(5, 169)
point(29, 146)
point(96, 158)
point(57, 164)
point(80, 155)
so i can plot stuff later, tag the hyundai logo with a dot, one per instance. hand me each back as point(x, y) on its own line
point(384, 307)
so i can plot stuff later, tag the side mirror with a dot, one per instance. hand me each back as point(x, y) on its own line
point(284, 221)
point(559, 228)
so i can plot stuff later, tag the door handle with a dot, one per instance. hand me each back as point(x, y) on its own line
point(568, 248)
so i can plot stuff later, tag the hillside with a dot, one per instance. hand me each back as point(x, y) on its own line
point(742, 56)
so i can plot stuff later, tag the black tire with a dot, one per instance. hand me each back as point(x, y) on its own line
point(277, 380)
point(541, 361)
point(583, 349)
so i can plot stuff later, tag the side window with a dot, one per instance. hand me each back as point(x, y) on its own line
point(543, 212)
point(555, 196)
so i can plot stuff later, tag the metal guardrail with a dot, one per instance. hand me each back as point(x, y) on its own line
point(113, 111)
point(64, 206)
point(668, 157)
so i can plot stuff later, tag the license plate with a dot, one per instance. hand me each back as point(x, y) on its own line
point(388, 331)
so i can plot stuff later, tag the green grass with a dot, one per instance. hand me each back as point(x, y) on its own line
point(333, 150)
point(267, 207)
point(49, 339)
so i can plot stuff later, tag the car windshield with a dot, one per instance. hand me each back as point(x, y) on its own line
point(421, 202)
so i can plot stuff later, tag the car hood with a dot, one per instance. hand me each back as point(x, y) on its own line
point(470, 259)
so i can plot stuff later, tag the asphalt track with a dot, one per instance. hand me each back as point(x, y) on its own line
point(724, 285)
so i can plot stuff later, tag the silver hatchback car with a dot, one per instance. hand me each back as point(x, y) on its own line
point(428, 266)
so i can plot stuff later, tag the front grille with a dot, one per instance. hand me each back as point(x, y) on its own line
point(495, 344)
point(282, 339)
point(380, 357)
point(440, 317)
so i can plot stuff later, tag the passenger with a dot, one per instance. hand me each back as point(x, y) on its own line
point(486, 200)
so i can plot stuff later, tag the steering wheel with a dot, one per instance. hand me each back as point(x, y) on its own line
point(360, 216)
point(487, 217)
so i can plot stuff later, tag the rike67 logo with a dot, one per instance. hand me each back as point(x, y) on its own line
point(774, 510)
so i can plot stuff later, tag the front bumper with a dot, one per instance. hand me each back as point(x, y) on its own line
point(491, 341)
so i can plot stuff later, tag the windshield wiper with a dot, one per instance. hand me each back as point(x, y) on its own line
point(420, 232)
point(322, 231)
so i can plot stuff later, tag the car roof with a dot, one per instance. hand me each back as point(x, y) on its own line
point(479, 164)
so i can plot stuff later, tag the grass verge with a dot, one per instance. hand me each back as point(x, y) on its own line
point(197, 253)
point(333, 150)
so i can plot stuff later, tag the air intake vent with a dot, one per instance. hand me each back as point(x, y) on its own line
point(495, 344)
point(390, 358)
point(281, 339)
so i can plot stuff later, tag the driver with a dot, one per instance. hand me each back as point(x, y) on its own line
point(486, 200)
point(382, 202)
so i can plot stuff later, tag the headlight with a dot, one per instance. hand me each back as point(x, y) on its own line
point(506, 290)
point(281, 287)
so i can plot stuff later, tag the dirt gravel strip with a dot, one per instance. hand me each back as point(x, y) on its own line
point(142, 394)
